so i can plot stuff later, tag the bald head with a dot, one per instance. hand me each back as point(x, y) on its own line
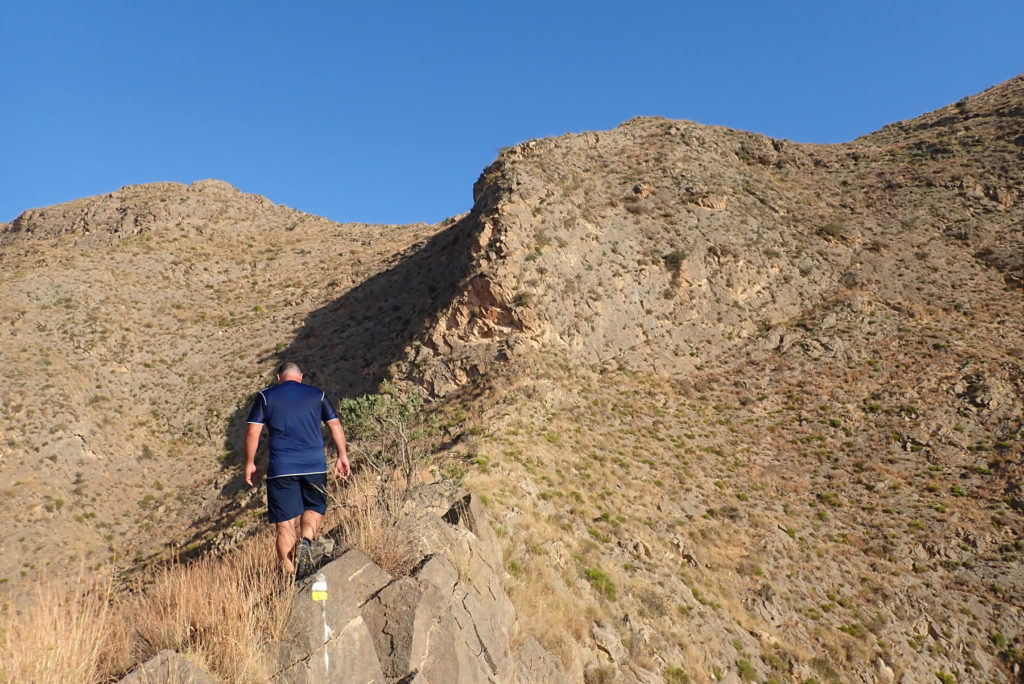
point(289, 370)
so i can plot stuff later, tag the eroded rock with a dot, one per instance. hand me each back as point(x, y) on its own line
point(328, 641)
point(449, 622)
point(169, 667)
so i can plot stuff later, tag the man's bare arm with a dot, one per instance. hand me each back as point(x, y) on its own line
point(252, 441)
point(341, 466)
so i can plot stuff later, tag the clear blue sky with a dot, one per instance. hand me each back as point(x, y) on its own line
point(387, 111)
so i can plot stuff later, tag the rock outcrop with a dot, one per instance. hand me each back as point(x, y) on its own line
point(135, 209)
point(169, 667)
point(666, 244)
point(448, 622)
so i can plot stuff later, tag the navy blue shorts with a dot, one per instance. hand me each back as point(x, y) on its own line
point(289, 496)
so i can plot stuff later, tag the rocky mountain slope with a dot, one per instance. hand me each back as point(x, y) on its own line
point(760, 402)
point(743, 408)
point(136, 324)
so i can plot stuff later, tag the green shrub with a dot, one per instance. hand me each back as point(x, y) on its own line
point(674, 260)
point(387, 431)
point(601, 582)
point(676, 675)
point(832, 230)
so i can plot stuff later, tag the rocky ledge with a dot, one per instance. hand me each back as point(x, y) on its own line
point(448, 622)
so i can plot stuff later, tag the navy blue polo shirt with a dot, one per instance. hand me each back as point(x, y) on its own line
point(293, 412)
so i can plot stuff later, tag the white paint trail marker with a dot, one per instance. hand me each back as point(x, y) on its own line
point(319, 593)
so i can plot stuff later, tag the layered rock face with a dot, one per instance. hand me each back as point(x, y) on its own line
point(440, 624)
point(663, 244)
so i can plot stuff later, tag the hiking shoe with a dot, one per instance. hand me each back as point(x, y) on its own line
point(304, 559)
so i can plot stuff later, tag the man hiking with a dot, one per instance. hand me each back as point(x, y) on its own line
point(297, 471)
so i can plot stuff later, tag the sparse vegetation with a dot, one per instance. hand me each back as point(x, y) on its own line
point(601, 582)
point(224, 612)
point(387, 429)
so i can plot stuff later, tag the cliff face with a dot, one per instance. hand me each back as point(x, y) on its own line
point(739, 406)
point(763, 400)
point(665, 244)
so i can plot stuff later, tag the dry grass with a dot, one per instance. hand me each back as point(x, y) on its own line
point(222, 613)
point(547, 606)
point(367, 513)
point(67, 634)
point(547, 609)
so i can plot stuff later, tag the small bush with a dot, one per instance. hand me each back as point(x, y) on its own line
point(854, 630)
point(387, 432)
point(523, 300)
point(601, 582)
point(833, 231)
point(604, 674)
point(676, 675)
point(674, 260)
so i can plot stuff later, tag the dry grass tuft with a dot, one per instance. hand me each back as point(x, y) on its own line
point(548, 610)
point(67, 634)
point(547, 606)
point(221, 612)
point(366, 514)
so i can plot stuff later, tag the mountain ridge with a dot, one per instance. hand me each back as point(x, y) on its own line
point(740, 406)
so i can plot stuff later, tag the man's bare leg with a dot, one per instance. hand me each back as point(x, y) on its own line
point(286, 538)
point(309, 524)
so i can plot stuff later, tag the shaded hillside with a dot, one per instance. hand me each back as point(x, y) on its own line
point(137, 324)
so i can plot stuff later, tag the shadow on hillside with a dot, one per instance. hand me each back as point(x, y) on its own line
point(346, 347)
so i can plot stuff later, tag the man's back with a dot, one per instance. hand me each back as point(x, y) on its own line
point(297, 473)
point(293, 413)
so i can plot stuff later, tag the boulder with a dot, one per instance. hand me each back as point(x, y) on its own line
point(608, 642)
point(468, 513)
point(536, 666)
point(464, 534)
point(356, 575)
point(329, 640)
point(481, 632)
point(169, 667)
point(436, 626)
point(448, 622)
point(885, 673)
point(414, 632)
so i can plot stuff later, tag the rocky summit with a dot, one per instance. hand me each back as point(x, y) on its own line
point(739, 408)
